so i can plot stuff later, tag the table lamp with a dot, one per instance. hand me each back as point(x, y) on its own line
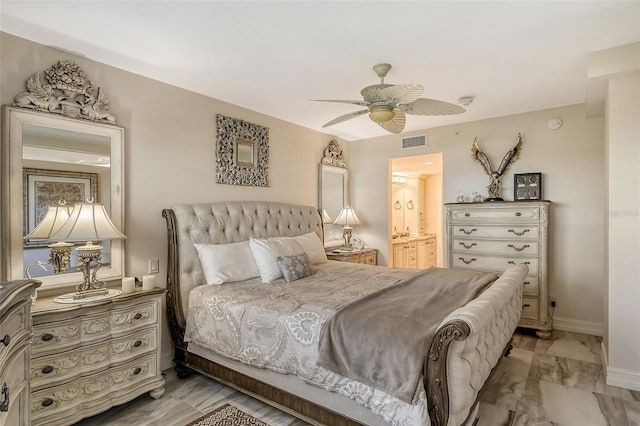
point(347, 217)
point(52, 221)
point(88, 222)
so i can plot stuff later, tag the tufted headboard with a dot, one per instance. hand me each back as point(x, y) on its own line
point(220, 223)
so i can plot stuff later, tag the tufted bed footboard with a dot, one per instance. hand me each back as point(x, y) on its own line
point(467, 347)
point(472, 339)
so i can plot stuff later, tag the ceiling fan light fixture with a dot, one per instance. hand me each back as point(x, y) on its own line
point(381, 114)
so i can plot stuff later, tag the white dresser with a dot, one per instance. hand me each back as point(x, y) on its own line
point(492, 236)
point(15, 350)
point(89, 357)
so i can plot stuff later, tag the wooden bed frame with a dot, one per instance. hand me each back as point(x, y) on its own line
point(435, 369)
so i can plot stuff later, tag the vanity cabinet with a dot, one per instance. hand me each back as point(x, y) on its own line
point(15, 350)
point(494, 236)
point(426, 253)
point(415, 253)
point(404, 255)
point(88, 357)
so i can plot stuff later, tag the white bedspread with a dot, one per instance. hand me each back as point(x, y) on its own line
point(277, 326)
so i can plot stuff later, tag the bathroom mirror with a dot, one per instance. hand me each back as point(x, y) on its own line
point(63, 151)
point(332, 194)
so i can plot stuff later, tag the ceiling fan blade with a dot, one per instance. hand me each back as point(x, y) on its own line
point(424, 106)
point(396, 125)
point(346, 117)
point(401, 93)
point(342, 101)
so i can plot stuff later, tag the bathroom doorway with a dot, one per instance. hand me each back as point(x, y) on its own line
point(415, 205)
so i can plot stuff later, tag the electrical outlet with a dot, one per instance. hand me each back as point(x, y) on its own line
point(154, 266)
point(553, 302)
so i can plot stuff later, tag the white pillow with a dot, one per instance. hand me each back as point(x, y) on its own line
point(223, 263)
point(312, 245)
point(265, 254)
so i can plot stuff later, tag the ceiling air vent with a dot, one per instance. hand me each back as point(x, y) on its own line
point(414, 142)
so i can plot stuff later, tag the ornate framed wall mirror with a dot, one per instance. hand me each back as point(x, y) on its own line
point(60, 152)
point(333, 191)
point(334, 187)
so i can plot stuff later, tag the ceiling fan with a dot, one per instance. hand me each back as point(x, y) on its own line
point(387, 104)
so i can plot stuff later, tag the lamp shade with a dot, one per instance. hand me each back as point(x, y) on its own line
point(325, 217)
point(347, 217)
point(88, 222)
point(54, 219)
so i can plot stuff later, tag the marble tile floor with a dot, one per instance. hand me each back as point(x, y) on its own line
point(555, 382)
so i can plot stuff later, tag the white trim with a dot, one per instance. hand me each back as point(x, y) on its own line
point(622, 378)
point(578, 326)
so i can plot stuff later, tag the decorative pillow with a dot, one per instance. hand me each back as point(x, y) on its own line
point(312, 245)
point(223, 263)
point(265, 253)
point(295, 267)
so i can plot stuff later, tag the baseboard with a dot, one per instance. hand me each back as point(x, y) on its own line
point(578, 326)
point(623, 378)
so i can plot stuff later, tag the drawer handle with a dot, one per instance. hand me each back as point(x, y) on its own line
point(518, 214)
point(519, 234)
point(468, 246)
point(47, 402)
point(469, 232)
point(137, 316)
point(473, 259)
point(467, 214)
point(47, 369)
point(4, 405)
point(137, 370)
point(137, 343)
point(6, 340)
point(46, 337)
point(518, 249)
point(511, 262)
point(526, 305)
point(526, 283)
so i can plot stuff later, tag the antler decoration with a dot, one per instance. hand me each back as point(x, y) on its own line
point(494, 175)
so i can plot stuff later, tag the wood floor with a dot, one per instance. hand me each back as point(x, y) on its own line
point(556, 382)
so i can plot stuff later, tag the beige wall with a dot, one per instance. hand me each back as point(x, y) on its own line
point(170, 148)
point(571, 160)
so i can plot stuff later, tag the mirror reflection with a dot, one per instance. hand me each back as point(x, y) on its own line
point(50, 163)
point(60, 168)
point(333, 196)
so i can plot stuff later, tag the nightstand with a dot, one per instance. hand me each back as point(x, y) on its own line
point(367, 256)
point(88, 357)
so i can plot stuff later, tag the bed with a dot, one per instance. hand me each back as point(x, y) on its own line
point(458, 359)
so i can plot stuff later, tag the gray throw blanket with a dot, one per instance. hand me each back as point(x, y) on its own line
point(382, 340)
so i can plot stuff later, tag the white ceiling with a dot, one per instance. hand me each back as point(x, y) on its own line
point(273, 57)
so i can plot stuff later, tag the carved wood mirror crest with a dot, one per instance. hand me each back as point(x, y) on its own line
point(65, 89)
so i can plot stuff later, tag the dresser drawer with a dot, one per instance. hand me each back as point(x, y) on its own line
point(13, 376)
point(56, 336)
point(513, 248)
point(515, 232)
point(531, 285)
point(491, 263)
point(133, 372)
point(126, 319)
point(53, 369)
point(512, 213)
point(133, 345)
point(14, 329)
point(66, 398)
point(530, 308)
point(371, 258)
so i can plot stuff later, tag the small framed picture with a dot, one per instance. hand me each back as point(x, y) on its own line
point(527, 186)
